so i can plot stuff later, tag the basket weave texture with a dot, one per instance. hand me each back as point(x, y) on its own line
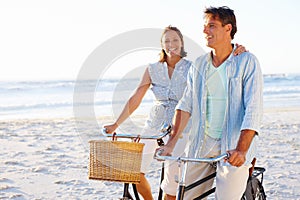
point(115, 161)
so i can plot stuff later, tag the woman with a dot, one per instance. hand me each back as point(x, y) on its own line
point(167, 79)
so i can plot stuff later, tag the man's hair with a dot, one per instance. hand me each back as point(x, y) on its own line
point(225, 15)
point(163, 55)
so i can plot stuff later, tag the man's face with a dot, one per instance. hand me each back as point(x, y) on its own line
point(215, 34)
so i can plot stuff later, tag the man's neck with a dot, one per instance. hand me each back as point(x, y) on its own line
point(219, 55)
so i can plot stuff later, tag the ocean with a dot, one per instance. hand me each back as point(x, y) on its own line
point(55, 99)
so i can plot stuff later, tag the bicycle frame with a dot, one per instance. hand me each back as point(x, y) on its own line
point(185, 160)
point(182, 188)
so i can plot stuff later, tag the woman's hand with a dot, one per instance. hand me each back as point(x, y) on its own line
point(110, 128)
point(164, 151)
point(239, 49)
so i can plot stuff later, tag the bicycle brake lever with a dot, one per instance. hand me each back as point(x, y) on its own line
point(166, 128)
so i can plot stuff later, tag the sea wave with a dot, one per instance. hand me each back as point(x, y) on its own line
point(29, 97)
point(34, 106)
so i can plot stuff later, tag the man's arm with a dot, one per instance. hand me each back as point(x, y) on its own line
point(238, 156)
point(253, 101)
point(180, 121)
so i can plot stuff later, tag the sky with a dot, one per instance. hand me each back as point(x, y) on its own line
point(47, 40)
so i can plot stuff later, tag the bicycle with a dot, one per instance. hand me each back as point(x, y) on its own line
point(165, 130)
point(254, 189)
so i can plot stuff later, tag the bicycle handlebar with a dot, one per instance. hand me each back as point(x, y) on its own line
point(186, 159)
point(165, 130)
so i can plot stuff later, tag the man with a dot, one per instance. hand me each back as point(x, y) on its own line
point(224, 100)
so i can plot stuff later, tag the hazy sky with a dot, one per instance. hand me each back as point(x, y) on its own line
point(52, 39)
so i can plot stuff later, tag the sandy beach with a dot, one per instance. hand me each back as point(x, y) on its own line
point(48, 159)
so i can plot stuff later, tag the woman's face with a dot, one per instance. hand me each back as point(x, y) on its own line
point(171, 43)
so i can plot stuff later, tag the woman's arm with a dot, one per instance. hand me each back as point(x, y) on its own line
point(239, 49)
point(132, 103)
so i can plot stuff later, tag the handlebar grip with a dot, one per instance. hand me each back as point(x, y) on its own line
point(158, 156)
point(104, 131)
point(228, 155)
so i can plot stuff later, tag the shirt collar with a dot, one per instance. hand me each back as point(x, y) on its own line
point(229, 59)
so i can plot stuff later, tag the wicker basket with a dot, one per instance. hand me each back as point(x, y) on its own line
point(115, 161)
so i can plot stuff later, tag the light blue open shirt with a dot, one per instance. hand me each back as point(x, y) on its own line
point(244, 106)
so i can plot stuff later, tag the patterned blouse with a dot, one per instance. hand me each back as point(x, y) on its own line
point(167, 92)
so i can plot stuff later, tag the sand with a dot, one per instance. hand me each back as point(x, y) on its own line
point(48, 159)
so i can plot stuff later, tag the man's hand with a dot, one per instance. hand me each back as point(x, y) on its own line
point(236, 158)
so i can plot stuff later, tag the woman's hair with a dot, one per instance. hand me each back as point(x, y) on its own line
point(225, 15)
point(163, 55)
